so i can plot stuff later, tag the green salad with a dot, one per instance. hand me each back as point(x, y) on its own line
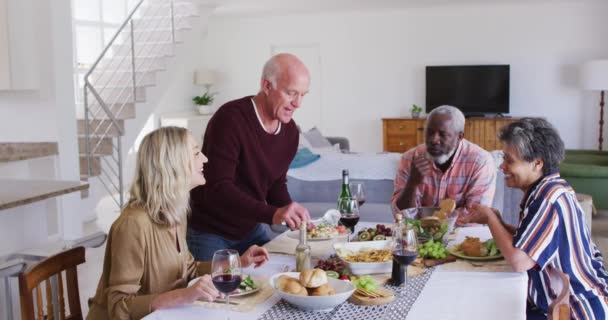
point(247, 284)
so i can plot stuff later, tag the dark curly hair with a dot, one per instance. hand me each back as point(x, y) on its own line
point(535, 138)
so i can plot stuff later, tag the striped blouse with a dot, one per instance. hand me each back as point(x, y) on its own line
point(553, 232)
point(470, 179)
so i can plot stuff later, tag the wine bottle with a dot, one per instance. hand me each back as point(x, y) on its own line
point(302, 250)
point(344, 193)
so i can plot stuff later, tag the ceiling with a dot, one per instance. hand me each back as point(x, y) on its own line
point(263, 7)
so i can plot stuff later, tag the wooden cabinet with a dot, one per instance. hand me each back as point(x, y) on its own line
point(401, 134)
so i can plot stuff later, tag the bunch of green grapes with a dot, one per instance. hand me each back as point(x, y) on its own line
point(432, 249)
point(365, 282)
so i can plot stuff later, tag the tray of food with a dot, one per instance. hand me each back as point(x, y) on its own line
point(366, 257)
point(472, 248)
point(321, 232)
point(432, 222)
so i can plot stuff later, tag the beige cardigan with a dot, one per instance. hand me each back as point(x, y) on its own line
point(141, 260)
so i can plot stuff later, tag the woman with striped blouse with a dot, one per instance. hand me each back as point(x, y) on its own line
point(552, 233)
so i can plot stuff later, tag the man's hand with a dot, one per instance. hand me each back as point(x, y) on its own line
point(293, 214)
point(254, 255)
point(420, 168)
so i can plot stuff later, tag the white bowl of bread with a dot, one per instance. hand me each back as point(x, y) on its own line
point(312, 289)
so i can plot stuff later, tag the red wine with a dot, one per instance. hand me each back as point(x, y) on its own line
point(349, 221)
point(361, 202)
point(405, 257)
point(226, 283)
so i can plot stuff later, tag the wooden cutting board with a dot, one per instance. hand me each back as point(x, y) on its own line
point(359, 299)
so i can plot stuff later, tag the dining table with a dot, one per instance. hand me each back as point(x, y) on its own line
point(461, 290)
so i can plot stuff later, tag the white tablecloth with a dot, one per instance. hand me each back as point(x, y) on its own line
point(447, 295)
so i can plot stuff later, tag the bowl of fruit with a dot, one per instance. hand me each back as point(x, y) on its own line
point(334, 267)
point(380, 232)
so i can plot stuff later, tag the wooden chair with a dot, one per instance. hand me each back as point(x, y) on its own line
point(559, 309)
point(31, 280)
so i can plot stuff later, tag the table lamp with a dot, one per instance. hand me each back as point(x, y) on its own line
point(594, 76)
point(205, 78)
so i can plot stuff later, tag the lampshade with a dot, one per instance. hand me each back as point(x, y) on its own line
point(204, 77)
point(594, 75)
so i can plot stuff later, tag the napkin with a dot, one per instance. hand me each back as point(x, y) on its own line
point(331, 217)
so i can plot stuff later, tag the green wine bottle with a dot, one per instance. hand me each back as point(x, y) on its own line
point(344, 193)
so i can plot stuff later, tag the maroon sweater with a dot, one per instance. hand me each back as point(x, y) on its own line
point(246, 172)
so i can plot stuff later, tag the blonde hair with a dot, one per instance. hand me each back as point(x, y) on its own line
point(162, 177)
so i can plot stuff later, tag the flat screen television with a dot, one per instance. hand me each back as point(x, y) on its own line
point(474, 89)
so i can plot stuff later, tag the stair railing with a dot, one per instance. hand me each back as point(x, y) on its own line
point(101, 110)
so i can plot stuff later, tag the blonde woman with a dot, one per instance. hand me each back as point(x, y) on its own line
point(147, 263)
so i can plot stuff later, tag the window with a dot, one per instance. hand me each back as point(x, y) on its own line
point(94, 23)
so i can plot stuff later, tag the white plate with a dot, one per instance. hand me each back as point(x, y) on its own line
point(359, 268)
point(295, 234)
point(240, 292)
point(343, 289)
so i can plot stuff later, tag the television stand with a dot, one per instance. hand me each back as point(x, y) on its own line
point(402, 134)
point(486, 115)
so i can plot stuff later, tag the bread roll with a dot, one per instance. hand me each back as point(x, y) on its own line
point(313, 278)
point(324, 290)
point(445, 206)
point(291, 285)
point(429, 222)
point(282, 281)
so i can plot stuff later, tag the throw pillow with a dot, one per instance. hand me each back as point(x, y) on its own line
point(303, 157)
point(316, 139)
point(303, 143)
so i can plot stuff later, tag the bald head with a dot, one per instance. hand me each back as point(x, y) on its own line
point(285, 82)
point(283, 65)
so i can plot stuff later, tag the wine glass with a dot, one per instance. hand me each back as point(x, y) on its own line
point(349, 213)
point(226, 273)
point(405, 250)
point(357, 190)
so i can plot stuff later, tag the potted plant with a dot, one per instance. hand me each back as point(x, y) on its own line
point(204, 102)
point(416, 110)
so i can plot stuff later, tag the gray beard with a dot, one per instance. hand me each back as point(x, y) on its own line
point(444, 157)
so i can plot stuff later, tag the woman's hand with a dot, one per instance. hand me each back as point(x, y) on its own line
point(479, 214)
point(203, 289)
point(256, 255)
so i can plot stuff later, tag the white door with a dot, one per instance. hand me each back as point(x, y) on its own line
point(309, 113)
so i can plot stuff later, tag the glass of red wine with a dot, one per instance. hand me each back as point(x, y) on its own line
point(226, 273)
point(349, 214)
point(405, 251)
point(357, 190)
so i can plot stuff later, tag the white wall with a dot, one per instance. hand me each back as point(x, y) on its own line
point(372, 63)
point(46, 114)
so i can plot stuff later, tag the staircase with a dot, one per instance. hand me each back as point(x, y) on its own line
point(118, 81)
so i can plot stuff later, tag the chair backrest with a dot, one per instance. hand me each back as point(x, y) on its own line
point(52, 267)
point(559, 309)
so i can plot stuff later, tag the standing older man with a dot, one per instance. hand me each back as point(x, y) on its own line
point(445, 166)
point(250, 143)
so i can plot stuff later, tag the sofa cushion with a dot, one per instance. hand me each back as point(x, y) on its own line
point(316, 139)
